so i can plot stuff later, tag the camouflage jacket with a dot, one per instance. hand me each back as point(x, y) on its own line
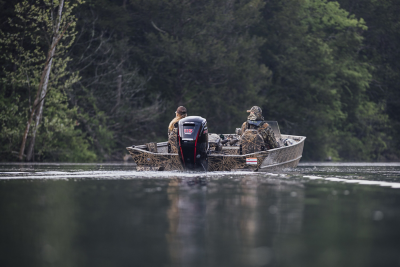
point(264, 130)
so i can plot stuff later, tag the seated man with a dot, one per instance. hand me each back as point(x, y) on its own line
point(173, 129)
point(256, 134)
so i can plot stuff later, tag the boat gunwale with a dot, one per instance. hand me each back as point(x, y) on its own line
point(302, 139)
point(210, 155)
point(165, 143)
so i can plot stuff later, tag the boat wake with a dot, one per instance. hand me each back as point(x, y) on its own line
point(354, 181)
point(373, 175)
point(115, 175)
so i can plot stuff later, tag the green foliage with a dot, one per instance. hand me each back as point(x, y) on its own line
point(365, 139)
point(24, 46)
point(319, 78)
point(115, 105)
point(381, 43)
point(202, 55)
point(123, 67)
point(11, 124)
point(59, 138)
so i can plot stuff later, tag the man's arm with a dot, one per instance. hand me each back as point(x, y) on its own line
point(244, 128)
point(269, 136)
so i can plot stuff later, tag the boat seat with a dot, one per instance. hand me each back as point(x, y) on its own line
point(275, 128)
point(214, 142)
point(172, 141)
point(152, 147)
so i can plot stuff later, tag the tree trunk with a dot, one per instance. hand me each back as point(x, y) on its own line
point(29, 154)
point(28, 125)
point(43, 86)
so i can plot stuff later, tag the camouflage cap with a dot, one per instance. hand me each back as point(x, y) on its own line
point(255, 114)
point(255, 109)
point(181, 110)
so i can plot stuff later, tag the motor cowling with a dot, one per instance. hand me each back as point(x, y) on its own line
point(193, 143)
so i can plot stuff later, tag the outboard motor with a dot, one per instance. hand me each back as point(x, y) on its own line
point(193, 143)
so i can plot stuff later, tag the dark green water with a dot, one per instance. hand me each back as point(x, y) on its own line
point(110, 215)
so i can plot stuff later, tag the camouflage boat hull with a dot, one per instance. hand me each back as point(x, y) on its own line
point(155, 157)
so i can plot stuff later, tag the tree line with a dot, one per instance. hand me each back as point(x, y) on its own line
point(81, 80)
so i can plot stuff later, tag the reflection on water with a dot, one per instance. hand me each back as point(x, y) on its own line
point(110, 215)
point(230, 220)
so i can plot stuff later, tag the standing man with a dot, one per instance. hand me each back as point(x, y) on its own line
point(180, 113)
point(254, 127)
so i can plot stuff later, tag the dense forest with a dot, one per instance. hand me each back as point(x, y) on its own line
point(81, 80)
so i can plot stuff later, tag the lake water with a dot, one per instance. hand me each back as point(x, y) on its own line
point(110, 215)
